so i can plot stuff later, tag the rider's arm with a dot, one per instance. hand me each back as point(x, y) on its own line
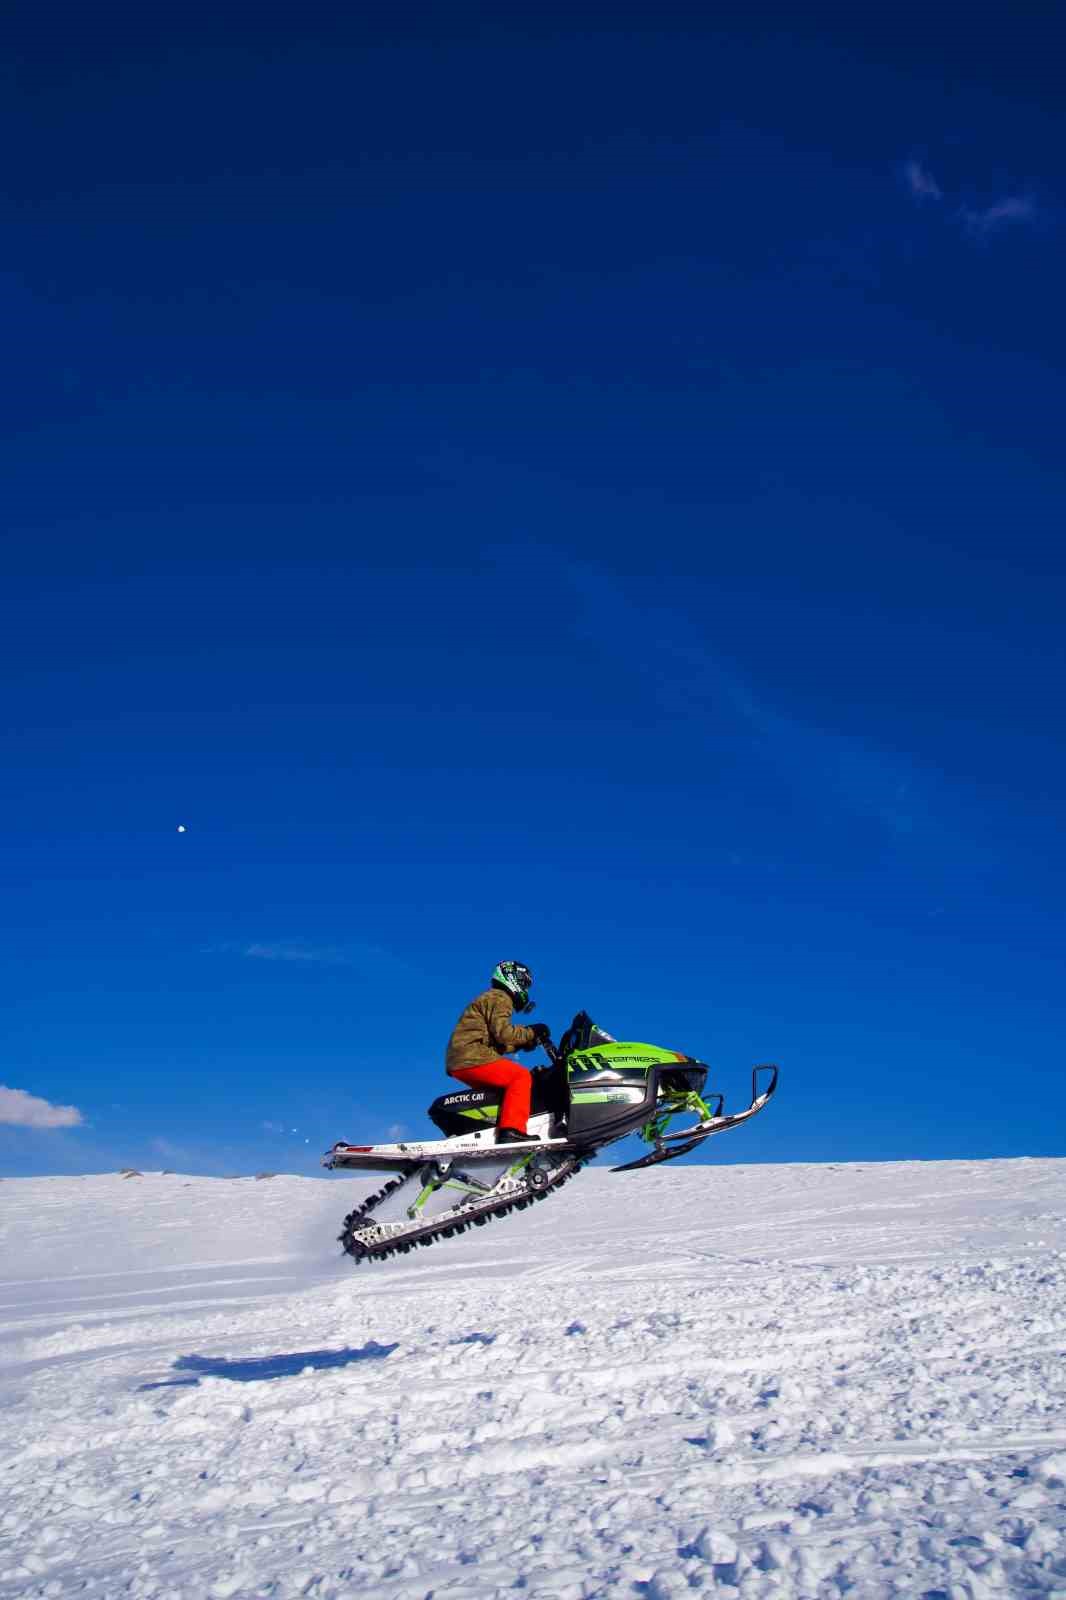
point(506, 1036)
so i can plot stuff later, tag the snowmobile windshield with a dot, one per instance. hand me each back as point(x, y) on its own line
point(582, 1034)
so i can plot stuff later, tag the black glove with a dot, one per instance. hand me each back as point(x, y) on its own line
point(541, 1033)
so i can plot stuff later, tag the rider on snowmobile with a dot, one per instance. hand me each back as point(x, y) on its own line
point(483, 1038)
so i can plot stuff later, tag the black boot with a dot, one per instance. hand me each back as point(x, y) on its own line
point(511, 1136)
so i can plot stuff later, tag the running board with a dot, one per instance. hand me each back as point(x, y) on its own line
point(408, 1157)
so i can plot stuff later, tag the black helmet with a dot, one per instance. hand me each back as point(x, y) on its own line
point(517, 980)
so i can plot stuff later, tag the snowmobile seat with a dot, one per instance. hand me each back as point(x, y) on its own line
point(468, 1110)
point(465, 1111)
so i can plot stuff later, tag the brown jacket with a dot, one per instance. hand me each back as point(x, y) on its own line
point(485, 1032)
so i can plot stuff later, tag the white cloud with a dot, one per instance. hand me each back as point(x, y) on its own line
point(294, 950)
point(328, 955)
point(978, 221)
point(170, 1151)
point(921, 182)
point(367, 960)
point(1011, 209)
point(22, 1110)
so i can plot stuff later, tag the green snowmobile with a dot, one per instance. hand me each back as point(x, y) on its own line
point(595, 1092)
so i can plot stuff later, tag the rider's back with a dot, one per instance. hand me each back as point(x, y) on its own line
point(485, 1032)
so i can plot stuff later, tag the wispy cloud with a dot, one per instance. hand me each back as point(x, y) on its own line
point(368, 963)
point(169, 1150)
point(1019, 208)
point(838, 772)
point(921, 182)
point(329, 955)
point(978, 221)
point(22, 1110)
point(293, 950)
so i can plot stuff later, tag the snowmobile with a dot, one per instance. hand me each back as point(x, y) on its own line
point(595, 1091)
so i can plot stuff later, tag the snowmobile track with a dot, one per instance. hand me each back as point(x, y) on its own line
point(444, 1227)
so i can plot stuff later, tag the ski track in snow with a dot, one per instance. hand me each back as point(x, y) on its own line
point(756, 1381)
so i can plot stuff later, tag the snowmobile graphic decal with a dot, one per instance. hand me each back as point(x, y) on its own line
point(620, 1057)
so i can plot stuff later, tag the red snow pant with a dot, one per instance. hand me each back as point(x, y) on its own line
point(516, 1083)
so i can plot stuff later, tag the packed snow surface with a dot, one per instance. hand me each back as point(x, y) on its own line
point(781, 1381)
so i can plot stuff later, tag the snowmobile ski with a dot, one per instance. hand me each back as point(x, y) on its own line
point(671, 1145)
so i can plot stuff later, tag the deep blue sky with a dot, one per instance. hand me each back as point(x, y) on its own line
point(513, 483)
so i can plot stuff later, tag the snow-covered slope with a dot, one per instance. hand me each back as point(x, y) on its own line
point(786, 1381)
